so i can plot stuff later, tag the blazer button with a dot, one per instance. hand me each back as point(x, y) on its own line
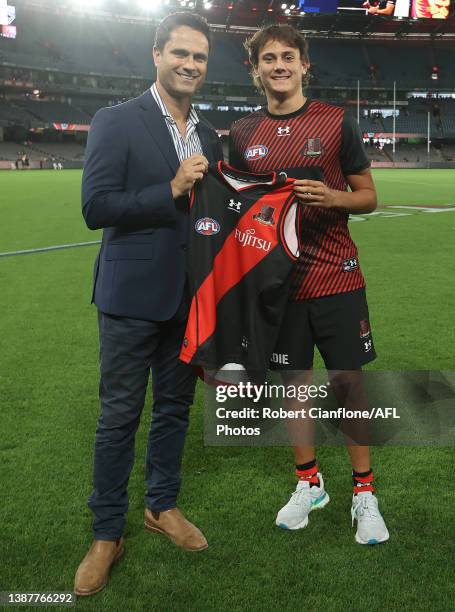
point(184, 247)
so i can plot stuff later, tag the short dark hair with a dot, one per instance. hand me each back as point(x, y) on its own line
point(282, 32)
point(175, 20)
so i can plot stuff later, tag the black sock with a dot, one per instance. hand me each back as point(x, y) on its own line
point(306, 466)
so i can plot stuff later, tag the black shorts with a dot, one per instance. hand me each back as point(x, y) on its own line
point(337, 324)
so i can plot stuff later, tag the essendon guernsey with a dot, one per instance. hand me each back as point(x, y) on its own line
point(243, 245)
point(325, 139)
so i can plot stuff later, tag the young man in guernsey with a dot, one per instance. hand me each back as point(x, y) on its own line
point(327, 306)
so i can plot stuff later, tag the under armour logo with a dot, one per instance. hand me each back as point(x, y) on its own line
point(235, 206)
point(284, 131)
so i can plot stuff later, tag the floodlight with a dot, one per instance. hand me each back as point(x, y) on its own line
point(149, 5)
point(87, 3)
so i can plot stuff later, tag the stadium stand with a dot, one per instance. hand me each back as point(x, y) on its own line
point(13, 114)
point(107, 47)
point(54, 112)
point(414, 124)
point(78, 65)
point(10, 151)
point(448, 152)
point(408, 153)
point(222, 120)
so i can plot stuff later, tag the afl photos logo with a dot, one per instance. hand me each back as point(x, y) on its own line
point(207, 226)
point(256, 152)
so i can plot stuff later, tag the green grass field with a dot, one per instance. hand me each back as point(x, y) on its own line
point(49, 410)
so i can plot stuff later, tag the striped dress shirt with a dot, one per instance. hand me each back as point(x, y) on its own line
point(185, 147)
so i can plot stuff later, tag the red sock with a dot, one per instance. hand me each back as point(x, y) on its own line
point(309, 472)
point(363, 481)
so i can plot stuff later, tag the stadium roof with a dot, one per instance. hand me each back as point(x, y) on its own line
point(248, 15)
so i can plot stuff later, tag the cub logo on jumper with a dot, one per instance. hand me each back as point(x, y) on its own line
point(351, 264)
point(265, 216)
point(245, 343)
point(207, 226)
point(235, 206)
point(247, 238)
point(283, 131)
point(256, 152)
point(312, 148)
point(365, 329)
point(367, 346)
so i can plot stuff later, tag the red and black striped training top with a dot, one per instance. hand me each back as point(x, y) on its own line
point(326, 139)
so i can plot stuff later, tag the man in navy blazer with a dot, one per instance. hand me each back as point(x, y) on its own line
point(142, 159)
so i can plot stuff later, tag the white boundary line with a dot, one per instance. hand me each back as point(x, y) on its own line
point(51, 248)
point(379, 213)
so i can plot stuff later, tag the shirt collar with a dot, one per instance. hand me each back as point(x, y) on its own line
point(193, 118)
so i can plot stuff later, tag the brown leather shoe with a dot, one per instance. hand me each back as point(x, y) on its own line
point(176, 527)
point(93, 572)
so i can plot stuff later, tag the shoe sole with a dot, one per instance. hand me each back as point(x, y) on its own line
point(153, 529)
point(117, 557)
point(372, 541)
point(324, 501)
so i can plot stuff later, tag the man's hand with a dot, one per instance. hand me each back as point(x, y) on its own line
point(315, 193)
point(190, 171)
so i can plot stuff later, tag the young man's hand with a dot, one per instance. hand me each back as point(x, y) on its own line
point(361, 199)
point(314, 192)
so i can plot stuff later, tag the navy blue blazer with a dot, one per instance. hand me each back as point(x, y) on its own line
point(130, 160)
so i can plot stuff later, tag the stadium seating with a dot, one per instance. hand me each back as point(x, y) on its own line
point(13, 114)
point(54, 112)
point(337, 64)
point(108, 47)
point(63, 151)
point(448, 152)
point(408, 153)
point(10, 151)
point(222, 120)
point(93, 62)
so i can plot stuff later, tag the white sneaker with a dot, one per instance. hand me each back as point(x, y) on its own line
point(294, 515)
point(371, 528)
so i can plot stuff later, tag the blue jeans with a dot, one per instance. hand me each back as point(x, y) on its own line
point(129, 350)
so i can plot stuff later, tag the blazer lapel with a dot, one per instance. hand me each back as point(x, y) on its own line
point(156, 125)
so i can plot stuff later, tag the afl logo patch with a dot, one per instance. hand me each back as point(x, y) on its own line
point(256, 152)
point(207, 226)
